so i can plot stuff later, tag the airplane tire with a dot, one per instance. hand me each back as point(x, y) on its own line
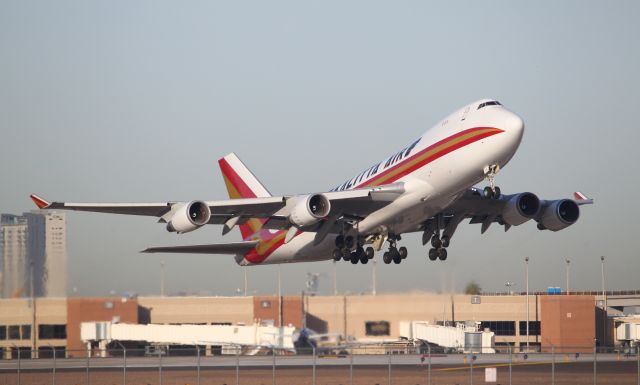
point(369, 252)
point(386, 257)
point(346, 254)
point(496, 192)
point(337, 254)
point(442, 254)
point(397, 259)
point(340, 241)
point(436, 242)
point(354, 258)
point(445, 241)
point(487, 192)
point(348, 242)
point(403, 252)
point(433, 254)
point(364, 259)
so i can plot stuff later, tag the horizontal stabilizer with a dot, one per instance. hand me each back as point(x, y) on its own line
point(220, 248)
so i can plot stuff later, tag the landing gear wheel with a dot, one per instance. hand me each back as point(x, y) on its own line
point(496, 192)
point(354, 258)
point(436, 242)
point(397, 259)
point(364, 259)
point(386, 257)
point(487, 192)
point(403, 252)
point(340, 241)
point(442, 254)
point(369, 252)
point(346, 254)
point(348, 242)
point(433, 254)
point(445, 241)
point(337, 254)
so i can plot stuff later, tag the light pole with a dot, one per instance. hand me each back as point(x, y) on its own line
point(244, 269)
point(604, 303)
point(526, 269)
point(568, 263)
point(373, 278)
point(162, 278)
point(335, 279)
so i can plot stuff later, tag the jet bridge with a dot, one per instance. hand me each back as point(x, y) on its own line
point(463, 338)
point(251, 337)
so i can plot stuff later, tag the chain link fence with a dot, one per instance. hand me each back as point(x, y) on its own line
point(349, 365)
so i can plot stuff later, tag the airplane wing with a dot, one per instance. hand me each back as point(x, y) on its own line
point(351, 204)
point(507, 210)
point(221, 248)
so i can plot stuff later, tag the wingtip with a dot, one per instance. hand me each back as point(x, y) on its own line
point(40, 202)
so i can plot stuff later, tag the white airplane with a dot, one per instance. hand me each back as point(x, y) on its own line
point(425, 187)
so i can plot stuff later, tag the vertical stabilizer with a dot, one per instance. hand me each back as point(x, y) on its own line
point(241, 183)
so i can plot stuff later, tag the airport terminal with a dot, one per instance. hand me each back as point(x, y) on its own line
point(386, 321)
point(35, 316)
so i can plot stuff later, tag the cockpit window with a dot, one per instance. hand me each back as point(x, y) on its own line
point(490, 103)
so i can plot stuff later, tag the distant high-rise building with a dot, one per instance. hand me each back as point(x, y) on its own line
point(37, 238)
point(13, 245)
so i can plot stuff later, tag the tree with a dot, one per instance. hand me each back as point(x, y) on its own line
point(472, 288)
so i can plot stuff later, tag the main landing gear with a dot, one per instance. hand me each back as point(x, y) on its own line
point(394, 254)
point(438, 251)
point(344, 247)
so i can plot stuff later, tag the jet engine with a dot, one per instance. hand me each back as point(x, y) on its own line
point(520, 208)
point(558, 214)
point(310, 210)
point(189, 217)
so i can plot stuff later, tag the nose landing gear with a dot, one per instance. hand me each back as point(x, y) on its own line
point(492, 191)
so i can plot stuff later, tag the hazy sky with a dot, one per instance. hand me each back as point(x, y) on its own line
point(136, 101)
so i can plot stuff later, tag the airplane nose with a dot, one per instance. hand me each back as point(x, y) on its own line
point(514, 123)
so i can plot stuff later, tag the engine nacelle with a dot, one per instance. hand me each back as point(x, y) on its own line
point(310, 210)
point(520, 208)
point(556, 215)
point(189, 217)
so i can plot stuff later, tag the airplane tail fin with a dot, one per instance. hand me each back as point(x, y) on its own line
point(241, 183)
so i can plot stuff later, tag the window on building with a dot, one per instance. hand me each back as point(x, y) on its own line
point(52, 332)
point(500, 328)
point(26, 332)
point(534, 328)
point(377, 328)
point(265, 304)
point(14, 332)
point(3, 332)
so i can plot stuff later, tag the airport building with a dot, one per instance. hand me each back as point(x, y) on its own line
point(33, 255)
point(573, 321)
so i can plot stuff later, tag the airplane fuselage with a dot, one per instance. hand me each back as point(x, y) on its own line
point(436, 169)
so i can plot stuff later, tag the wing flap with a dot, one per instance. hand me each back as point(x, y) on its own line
point(220, 248)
